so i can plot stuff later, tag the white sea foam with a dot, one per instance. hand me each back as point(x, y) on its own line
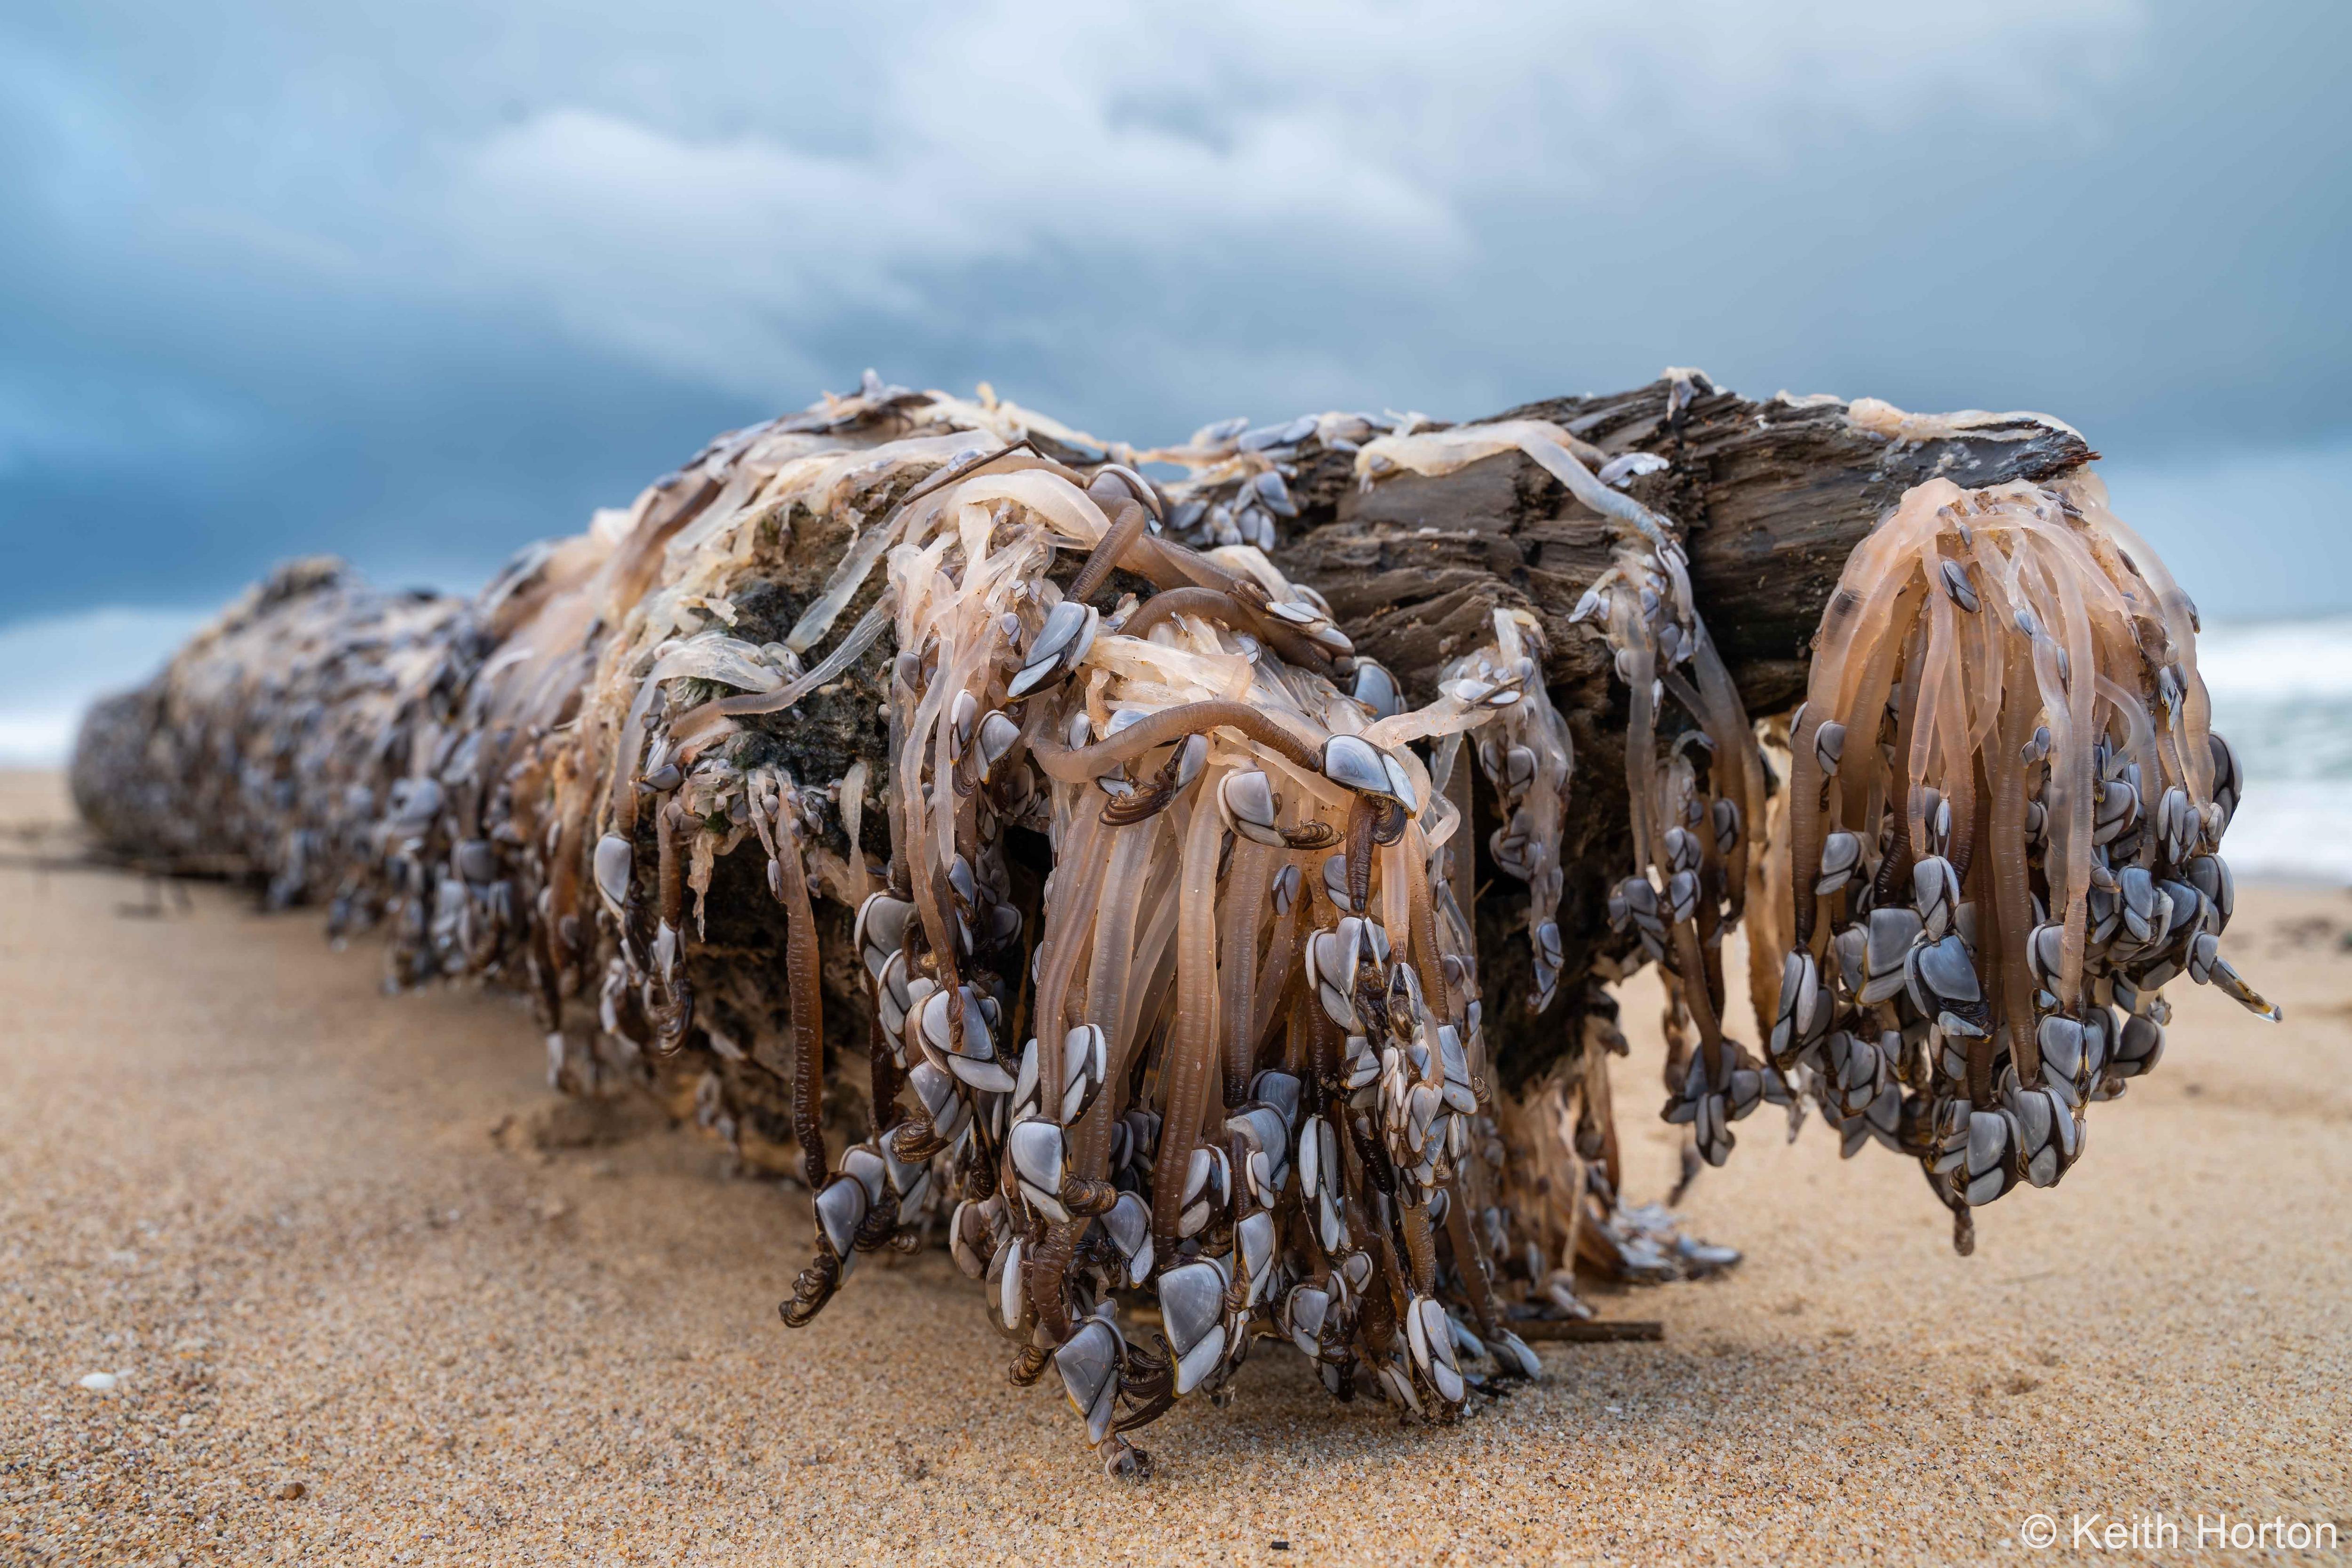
point(2283, 694)
point(2291, 831)
point(2277, 661)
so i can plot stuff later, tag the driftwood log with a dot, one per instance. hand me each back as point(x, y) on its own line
point(958, 822)
point(1772, 498)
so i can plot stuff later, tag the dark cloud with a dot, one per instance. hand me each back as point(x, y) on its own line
point(417, 284)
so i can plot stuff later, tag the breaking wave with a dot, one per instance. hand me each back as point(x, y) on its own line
point(2283, 694)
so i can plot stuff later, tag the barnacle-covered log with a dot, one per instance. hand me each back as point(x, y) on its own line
point(1193, 891)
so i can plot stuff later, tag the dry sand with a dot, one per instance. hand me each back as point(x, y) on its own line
point(277, 1206)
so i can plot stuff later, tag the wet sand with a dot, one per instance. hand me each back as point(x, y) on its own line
point(359, 1313)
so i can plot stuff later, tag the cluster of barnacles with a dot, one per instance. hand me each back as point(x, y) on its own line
point(1696, 790)
point(2006, 808)
point(1250, 1082)
point(1693, 800)
point(1225, 1077)
point(1238, 489)
point(1529, 758)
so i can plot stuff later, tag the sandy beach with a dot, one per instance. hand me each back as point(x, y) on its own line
point(369, 1293)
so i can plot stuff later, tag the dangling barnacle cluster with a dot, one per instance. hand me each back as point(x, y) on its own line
point(1529, 758)
point(1694, 790)
point(1696, 785)
point(2006, 812)
point(1236, 1064)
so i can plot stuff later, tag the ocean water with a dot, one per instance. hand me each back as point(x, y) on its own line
point(51, 669)
point(2283, 694)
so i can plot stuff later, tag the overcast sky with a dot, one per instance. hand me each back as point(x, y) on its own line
point(417, 283)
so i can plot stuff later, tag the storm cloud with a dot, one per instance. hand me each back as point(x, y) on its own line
point(416, 284)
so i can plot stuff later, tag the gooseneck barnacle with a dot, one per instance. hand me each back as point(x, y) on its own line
point(2006, 808)
point(1158, 905)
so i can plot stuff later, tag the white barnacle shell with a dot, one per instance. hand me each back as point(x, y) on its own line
point(1356, 763)
point(1829, 745)
point(1246, 800)
point(1035, 1147)
point(1375, 689)
point(1060, 644)
point(614, 857)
